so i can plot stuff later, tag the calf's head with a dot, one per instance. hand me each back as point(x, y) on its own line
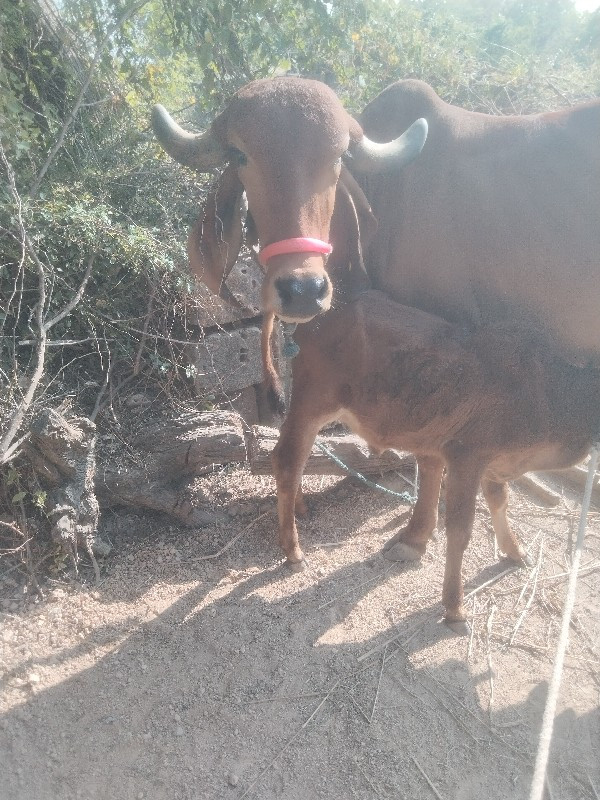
point(282, 142)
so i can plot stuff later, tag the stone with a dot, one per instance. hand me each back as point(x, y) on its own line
point(244, 282)
point(227, 361)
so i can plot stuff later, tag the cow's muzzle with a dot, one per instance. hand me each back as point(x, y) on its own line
point(302, 298)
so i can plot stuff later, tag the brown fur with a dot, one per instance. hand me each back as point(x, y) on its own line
point(486, 404)
point(497, 220)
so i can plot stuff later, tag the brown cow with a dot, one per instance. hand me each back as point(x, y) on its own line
point(486, 403)
point(283, 140)
point(497, 220)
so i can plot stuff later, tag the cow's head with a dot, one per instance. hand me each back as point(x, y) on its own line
point(282, 141)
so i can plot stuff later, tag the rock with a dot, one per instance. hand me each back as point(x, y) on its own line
point(227, 360)
point(244, 282)
point(207, 310)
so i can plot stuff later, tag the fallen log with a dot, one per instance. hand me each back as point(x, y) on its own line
point(168, 455)
point(577, 476)
point(62, 453)
point(349, 449)
point(533, 485)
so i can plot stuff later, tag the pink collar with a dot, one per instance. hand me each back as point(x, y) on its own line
point(302, 244)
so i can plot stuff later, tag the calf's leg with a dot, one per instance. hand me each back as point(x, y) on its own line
point(496, 496)
point(462, 483)
point(409, 543)
point(289, 457)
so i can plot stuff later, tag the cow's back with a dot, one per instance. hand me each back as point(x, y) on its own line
point(498, 219)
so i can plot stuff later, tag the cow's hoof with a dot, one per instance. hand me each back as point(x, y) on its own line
point(460, 626)
point(520, 559)
point(400, 551)
point(297, 566)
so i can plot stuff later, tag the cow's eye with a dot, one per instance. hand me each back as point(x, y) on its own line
point(237, 157)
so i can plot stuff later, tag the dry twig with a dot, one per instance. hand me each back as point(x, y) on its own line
point(493, 580)
point(424, 774)
point(488, 627)
point(289, 742)
point(235, 538)
point(383, 657)
point(531, 596)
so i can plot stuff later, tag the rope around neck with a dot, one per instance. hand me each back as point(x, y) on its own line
point(541, 761)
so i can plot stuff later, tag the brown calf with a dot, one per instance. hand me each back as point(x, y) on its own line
point(486, 404)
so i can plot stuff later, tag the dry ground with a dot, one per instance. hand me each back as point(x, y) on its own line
point(191, 679)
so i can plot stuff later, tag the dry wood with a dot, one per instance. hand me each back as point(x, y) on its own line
point(349, 449)
point(171, 454)
point(532, 484)
point(187, 445)
point(62, 453)
point(577, 476)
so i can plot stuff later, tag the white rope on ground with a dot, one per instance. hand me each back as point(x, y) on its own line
point(541, 762)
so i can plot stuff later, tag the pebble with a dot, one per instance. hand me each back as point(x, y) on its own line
point(232, 779)
point(179, 731)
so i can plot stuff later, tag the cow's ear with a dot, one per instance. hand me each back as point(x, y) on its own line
point(215, 240)
point(366, 219)
point(345, 265)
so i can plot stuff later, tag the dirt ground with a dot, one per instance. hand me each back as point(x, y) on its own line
point(191, 679)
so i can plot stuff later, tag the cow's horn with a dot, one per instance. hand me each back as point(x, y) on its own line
point(199, 151)
point(368, 156)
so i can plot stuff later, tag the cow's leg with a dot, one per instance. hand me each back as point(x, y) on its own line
point(289, 457)
point(462, 483)
point(409, 543)
point(496, 496)
point(300, 506)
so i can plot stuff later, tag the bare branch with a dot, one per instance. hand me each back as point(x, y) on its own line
point(76, 297)
point(7, 449)
point(38, 371)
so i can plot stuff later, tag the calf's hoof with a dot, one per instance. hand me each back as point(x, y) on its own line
point(460, 626)
point(519, 559)
point(297, 566)
point(400, 551)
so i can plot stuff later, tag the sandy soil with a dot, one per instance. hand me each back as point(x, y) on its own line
point(191, 679)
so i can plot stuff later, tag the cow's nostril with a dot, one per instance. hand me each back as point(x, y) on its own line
point(289, 289)
point(321, 286)
point(295, 289)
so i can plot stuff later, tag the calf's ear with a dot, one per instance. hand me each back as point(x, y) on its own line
point(215, 240)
